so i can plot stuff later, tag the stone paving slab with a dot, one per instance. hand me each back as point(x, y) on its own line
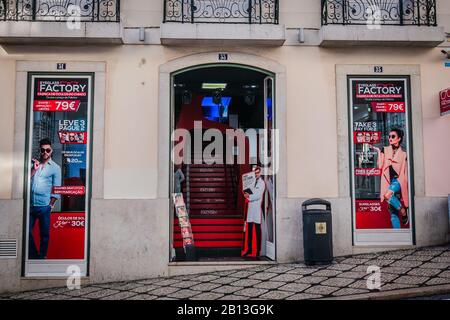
point(120, 296)
point(142, 297)
point(251, 292)
point(270, 285)
point(437, 281)
point(207, 296)
point(276, 295)
point(100, 294)
point(182, 294)
point(227, 289)
point(311, 279)
point(225, 280)
point(410, 269)
point(286, 277)
point(424, 272)
point(234, 297)
point(294, 287)
point(349, 291)
point(263, 276)
point(322, 290)
point(304, 296)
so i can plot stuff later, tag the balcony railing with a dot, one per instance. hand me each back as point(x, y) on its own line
point(221, 11)
point(60, 10)
point(385, 12)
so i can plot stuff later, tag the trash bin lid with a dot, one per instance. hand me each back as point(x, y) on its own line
point(316, 201)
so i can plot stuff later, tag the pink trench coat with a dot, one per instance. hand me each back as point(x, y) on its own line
point(400, 165)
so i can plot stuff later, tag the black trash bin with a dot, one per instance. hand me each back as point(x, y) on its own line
point(317, 232)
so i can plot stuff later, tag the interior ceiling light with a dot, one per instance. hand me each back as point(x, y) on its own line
point(214, 86)
point(250, 86)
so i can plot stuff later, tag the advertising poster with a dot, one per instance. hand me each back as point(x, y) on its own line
point(58, 174)
point(248, 181)
point(380, 154)
point(183, 219)
point(444, 99)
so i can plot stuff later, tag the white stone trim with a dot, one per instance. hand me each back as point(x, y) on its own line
point(413, 71)
point(22, 69)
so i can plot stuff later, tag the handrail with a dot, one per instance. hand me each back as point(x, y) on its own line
point(60, 10)
point(382, 12)
point(219, 11)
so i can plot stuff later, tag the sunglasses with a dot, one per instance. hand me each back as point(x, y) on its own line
point(393, 136)
point(48, 150)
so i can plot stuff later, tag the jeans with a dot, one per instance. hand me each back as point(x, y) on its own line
point(394, 203)
point(41, 213)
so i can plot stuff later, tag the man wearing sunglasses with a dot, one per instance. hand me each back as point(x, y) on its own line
point(45, 174)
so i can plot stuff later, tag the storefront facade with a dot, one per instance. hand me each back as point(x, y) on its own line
point(334, 85)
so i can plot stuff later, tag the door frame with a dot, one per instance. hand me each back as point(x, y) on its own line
point(170, 68)
point(415, 124)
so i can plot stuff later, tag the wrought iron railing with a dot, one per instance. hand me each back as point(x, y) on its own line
point(385, 12)
point(60, 10)
point(221, 11)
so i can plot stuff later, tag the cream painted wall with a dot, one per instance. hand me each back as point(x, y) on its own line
point(132, 105)
point(436, 128)
point(300, 13)
point(7, 80)
point(142, 13)
point(443, 14)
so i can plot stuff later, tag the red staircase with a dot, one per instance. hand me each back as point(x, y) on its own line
point(210, 193)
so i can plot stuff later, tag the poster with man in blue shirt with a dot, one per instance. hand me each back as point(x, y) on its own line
point(45, 174)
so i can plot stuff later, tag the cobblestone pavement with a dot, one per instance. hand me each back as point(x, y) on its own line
point(347, 276)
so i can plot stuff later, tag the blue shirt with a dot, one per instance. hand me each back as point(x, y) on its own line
point(42, 182)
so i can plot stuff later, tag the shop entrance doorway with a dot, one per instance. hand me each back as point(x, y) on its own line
point(223, 117)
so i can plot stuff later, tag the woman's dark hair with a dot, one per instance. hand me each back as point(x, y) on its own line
point(399, 133)
point(45, 141)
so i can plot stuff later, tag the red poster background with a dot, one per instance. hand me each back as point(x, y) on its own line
point(373, 214)
point(66, 240)
point(68, 190)
point(56, 105)
point(398, 107)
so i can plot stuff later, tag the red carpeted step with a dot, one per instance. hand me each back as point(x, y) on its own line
point(220, 195)
point(214, 221)
point(210, 179)
point(211, 201)
point(210, 170)
point(213, 228)
point(209, 174)
point(212, 244)
point(214, 212)
point(222, 184)
point(212, 206)
point(207, 201)
point(208, 189)
point(214, 236)
point(204, 165)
